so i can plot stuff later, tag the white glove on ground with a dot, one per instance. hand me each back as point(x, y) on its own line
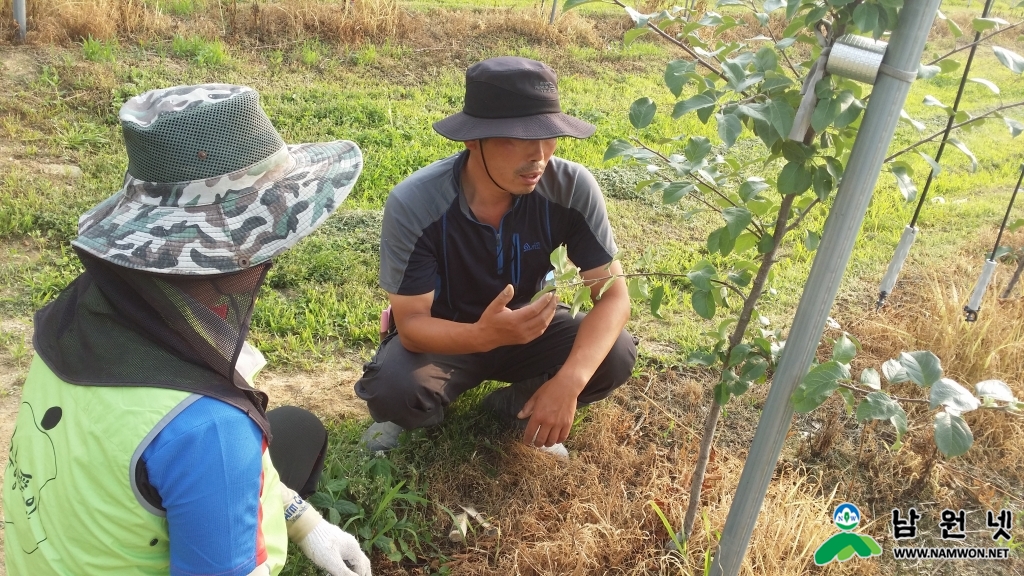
point(326, 545)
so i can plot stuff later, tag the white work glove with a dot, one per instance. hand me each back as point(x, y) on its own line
point(326, 545)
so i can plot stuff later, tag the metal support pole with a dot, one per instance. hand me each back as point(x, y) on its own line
point(554, 8)
point(833, 254)
point(19, 17)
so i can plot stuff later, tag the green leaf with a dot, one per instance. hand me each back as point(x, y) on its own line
point(333, 516)
point(987, 84)
point(631, 35)
point(765, 59)
point(824, 113)
point(765, 244)
point(797, 151)
point(618, 147)
point(656, 298)
point(906, 118)
point(953, 396)
point(1016, 128)
point(779, 114)
point(844, 350)
point(744, 242)
point(794, 178)
point(737, 218)
point(347, 508)
point(930, 100)
point(637, 288)
point(703, 304)
point(811, 240)
point(818, 385)
point(877, 406)
point(948, 66)
point(869, 377)
point(923, 368)
point(894, 372)
point(703, 101)
point(750, 187)
point(770, 6)
point(678, 74)
point(701, 275)
point(581, 297)
point(954, 28)
point(641, 112)
point(982, 24)
point(729, 128)
point(753, 369)
point(321, 500)
point(1010, 59)
point(865, 16)
point(953, 436)
point(675, 192)
point(906, 184)
point(823, 183)
point(701, 358)
point(936, 169)
point(721, 241)
point(850, 114)
point(738, 354)
point(899, 421)
point(963, 148)
point(994, 389)
point(925, 72)
point(697, 148)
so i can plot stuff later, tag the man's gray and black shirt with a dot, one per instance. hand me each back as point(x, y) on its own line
point(431, 242)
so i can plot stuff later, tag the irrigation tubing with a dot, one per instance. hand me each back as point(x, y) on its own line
point(974, 304)
point(910, 231)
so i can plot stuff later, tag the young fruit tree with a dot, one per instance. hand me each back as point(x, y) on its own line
point(803, 119)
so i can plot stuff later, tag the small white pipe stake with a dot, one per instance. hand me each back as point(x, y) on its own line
point(19, 17)
point(974, 304)
point(896, 264)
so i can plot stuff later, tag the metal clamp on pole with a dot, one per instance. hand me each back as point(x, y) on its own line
point(854, 57)
point(974, 304)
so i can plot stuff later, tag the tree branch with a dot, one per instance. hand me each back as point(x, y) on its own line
point(896, 398)
point(680, 45)
point(979, 41)
point(730, 286)
point(964, 123)
point(800, 218)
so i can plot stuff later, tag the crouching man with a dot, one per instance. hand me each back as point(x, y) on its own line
point(465, 244)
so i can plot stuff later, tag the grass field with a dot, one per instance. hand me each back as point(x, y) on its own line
point(382, 84)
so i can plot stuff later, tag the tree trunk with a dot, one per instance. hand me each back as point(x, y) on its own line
point(711, 422)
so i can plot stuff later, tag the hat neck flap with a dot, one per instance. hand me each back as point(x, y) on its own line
point(115, 326)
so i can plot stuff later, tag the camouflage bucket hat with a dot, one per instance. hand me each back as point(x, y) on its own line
point(211, 187)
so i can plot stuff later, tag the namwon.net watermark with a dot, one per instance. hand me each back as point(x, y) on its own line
point(848, 544)
point(963, 553)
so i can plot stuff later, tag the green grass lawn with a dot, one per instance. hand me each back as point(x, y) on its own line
point(321, 303)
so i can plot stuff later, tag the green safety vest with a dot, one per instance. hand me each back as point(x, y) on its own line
point(70, 501)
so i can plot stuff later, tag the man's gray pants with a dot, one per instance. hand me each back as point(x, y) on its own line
point(412, 390)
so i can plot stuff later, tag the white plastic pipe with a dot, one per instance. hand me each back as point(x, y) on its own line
point(19, 17)
point(896, 264)
point(974, 304)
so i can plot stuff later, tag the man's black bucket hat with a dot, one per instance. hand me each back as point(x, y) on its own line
point(511, 97)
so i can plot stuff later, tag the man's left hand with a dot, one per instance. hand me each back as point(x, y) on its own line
point(551, 410)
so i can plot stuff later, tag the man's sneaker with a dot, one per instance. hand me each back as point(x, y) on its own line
point(557, 451)
point(507, 402)
point(381, 437)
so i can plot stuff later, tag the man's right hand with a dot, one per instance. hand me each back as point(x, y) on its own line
point(507, 327)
